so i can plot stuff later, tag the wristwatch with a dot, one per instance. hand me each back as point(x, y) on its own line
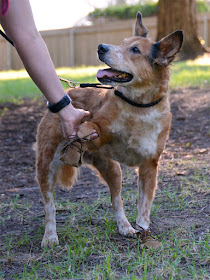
point(56, 107)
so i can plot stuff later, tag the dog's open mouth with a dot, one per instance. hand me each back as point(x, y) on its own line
point(110, 75)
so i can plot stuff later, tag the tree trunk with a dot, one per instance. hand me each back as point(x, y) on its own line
point(180, 15)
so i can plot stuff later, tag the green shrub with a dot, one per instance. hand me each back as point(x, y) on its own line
point(147, 9)
point(203, 6)
point(126, 11)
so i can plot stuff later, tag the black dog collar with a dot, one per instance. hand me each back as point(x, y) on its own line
point(119, 94)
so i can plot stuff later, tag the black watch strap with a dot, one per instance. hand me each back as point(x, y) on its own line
point(55, 108)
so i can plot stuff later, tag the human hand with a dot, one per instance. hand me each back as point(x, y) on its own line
point(71, 118)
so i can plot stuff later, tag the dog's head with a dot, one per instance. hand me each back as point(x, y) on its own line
point(136, 60)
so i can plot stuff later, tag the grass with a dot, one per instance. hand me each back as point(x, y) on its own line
point(189, 74)
point(91, 249)
point(16, 85)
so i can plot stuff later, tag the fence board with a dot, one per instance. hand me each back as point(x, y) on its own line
point(78, 45)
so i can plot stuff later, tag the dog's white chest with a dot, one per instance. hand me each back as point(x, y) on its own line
point(137, 135)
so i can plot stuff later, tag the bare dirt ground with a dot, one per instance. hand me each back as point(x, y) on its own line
point(185, 159)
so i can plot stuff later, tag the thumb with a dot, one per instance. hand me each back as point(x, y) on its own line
point(85, 115)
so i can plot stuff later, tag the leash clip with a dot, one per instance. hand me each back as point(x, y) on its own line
point(70, 83)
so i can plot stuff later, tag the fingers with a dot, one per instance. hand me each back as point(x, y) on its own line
point(94, 135)
point(86, 114)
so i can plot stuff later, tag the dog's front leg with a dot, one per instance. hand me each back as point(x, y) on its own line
point(111, 172)
point(146, 187)
point(87, 128)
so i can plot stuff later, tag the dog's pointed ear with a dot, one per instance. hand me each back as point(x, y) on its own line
point(164, 51)
point(140, 29)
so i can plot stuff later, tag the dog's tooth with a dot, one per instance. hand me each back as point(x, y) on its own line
point(121, 76)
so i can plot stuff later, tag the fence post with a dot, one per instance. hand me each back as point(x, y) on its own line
point(9, 56)
point(133, 29)
point(205, 30)
point(72, 58)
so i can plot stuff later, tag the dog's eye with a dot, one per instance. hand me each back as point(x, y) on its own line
point(135, 50)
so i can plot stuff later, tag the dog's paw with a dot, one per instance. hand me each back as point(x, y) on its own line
point(128, 231)
point(87, 130)
point(49, 240)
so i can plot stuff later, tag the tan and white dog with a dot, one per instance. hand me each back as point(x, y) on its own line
point(132, 121)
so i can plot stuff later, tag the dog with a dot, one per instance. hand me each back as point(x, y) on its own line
point(132, 120)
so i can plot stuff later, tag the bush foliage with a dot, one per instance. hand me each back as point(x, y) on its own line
point(149, 8)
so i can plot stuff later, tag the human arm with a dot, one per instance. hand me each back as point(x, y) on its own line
point(19, 25)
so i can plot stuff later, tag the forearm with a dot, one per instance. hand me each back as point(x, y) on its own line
point(38, 64)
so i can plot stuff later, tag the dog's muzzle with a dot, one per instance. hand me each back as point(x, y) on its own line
point(110, 76)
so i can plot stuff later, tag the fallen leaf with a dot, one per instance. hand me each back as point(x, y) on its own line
point(151, 243)
point(180, 173)
point(147, 240)
point(188, 156)
point(201, 151)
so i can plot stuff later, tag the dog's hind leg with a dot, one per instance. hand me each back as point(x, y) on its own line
point(51, 170)
point(46, 180)
point(111, 172)
point(147, 185)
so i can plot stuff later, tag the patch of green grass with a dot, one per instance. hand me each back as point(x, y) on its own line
point(189, 74)
point(90, 247)
point(14, 204)
point(16, 85)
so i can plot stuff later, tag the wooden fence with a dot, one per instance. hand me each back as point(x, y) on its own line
point(78, 45)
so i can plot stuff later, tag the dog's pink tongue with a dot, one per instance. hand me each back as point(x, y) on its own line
point(107, 73)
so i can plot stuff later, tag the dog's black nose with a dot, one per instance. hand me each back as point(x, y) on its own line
point(102, 49)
